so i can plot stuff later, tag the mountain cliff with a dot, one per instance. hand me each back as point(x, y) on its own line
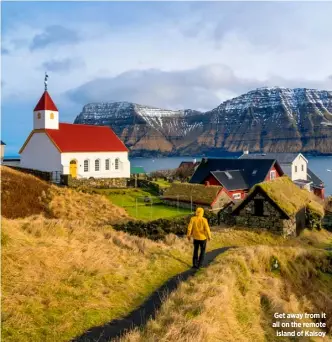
point(266, 119)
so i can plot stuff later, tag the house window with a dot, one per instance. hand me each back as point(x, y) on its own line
point(237, 196)
point(272, 174)
point(116, 164)
point(295, 168)
point(52, 116)
point(259, 207)
point(302, 167)
point(97, 165)
point(86, 165)
point(107, 164)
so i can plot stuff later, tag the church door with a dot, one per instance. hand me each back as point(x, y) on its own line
point(73, 168)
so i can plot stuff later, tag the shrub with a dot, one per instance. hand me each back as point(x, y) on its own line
point(159, 229)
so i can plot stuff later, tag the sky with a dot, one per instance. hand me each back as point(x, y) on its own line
point(172, 55)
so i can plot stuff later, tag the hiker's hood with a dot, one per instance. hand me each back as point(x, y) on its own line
point(199, 212)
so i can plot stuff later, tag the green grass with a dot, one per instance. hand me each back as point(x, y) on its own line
point(156, 211)
point(130, 198)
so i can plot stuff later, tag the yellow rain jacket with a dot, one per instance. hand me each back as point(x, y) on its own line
point(198, 227)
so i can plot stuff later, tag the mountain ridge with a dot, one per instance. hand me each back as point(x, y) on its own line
point(267, 119)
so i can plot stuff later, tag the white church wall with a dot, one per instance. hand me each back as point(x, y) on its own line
point(41, 154)
point(122, 172)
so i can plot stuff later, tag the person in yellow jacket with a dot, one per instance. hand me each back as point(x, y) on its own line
point(199, 229)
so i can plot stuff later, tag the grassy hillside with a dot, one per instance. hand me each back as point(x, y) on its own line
point(61, 277)
point(23, 195)
point(235, 298)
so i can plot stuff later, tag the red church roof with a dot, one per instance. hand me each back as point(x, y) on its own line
point(46, 103)
point(85, 138)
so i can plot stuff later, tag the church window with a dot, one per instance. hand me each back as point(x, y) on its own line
point(38, 115)
point(86, 165)
point(107, 164)
point(52, 116)
point(97, 165)
point(116, 164)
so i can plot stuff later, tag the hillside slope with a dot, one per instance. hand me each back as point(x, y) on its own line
point(235, 298)
point(24, 195)
point(266, 119)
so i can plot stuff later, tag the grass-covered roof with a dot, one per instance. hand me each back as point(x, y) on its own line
point(289, 197)
point(200, 193)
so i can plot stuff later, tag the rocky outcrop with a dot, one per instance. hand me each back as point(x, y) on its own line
point(266, 119)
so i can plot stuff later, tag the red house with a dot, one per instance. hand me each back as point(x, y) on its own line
point(236, 176)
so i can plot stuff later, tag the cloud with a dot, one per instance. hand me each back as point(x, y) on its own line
point(200, 88)
point(54, 34)
point(4, 51)
point(62, 65)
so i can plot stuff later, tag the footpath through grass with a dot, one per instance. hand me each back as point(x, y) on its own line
point(142, 204)
point(60, 278)
point(236, 297)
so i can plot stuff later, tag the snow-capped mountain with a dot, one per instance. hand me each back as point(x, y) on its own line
point(266, 119)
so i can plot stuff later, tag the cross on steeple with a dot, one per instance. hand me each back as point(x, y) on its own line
point(45, 81)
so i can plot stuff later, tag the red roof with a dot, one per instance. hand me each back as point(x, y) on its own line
point(46, 103)
point(85, 138)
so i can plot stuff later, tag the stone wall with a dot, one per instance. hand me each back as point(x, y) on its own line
point(99, 183)
point(271, 219)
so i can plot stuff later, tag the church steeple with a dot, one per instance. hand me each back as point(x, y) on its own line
point(45, 114)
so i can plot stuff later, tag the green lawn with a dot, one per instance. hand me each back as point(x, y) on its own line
point(132, 200)
point(163, 183)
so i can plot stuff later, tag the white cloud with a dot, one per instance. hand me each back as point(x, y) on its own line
point(216, 50)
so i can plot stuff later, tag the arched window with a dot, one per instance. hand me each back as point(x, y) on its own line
point(97, 165)
point(86, 165)
point(38, 115)
point(116, 164)
point(52, 116)
point(107, 164)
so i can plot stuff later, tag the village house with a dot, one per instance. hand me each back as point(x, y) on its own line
point(191, 196)
point(81, 151)
point(236, 176)
point(2, 150)
point(295, 165)
point(279, 206)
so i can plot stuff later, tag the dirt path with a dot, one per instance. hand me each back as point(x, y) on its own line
point(147, 310)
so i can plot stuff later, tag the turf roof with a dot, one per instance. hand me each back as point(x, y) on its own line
point(199, 193)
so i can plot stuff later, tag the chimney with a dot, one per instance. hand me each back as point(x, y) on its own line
point(246, 152)
point(207, 183)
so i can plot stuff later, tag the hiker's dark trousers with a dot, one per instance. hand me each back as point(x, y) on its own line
point(199, 244)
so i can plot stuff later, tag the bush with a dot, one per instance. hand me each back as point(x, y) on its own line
point(159, 229)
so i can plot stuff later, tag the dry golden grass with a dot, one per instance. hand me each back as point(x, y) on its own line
point(235, 298)
point(198, 192)
point(328, 204)
point(60, 278)
point(24, 195)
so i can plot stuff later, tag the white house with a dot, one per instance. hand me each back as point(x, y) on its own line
point(83, 151)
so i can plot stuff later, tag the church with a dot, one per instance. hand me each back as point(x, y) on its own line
point(83, 151)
